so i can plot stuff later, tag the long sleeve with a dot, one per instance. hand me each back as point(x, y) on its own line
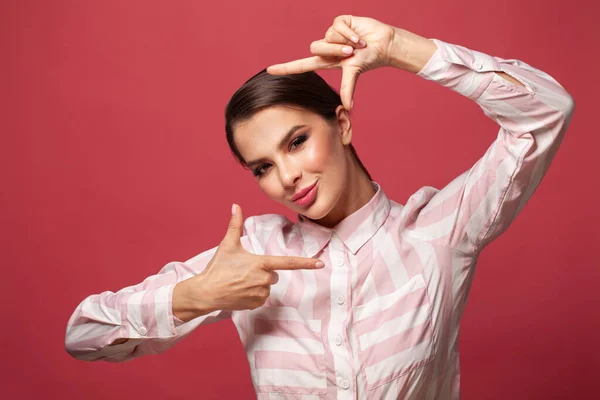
point(480, 204)
point(142, 313)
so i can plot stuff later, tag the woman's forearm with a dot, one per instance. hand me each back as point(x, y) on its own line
point(410, 52)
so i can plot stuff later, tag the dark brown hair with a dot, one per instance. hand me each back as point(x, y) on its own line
point(307, 90)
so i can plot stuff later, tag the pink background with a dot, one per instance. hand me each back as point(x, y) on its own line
point(113, 162)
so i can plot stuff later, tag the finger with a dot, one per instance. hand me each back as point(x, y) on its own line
point(326, 49)
point(303, 65)
point(342, 25)
point(290, 263)
point(235, 228)
point(349, 78)
point(274, 277)
point(333, 36)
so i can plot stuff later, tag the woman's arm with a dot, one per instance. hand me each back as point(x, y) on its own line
point(410, 52)
point(136, 320)
point(533, 111)
point(531, 107)
point(153, 315)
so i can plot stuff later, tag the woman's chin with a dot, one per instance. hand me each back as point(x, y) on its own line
point(315, 211)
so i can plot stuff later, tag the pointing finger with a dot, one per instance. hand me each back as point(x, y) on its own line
point(290, 263)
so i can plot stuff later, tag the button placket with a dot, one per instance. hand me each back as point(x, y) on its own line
point(339, 287)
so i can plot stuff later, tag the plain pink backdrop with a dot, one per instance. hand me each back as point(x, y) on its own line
point(114, 162)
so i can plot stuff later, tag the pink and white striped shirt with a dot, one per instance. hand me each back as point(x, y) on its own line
point(381, 320)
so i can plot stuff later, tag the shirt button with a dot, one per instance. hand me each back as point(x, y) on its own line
point(344, 384)
point(340, 261)
point(478, 65)
point(142, 331)
point(340, 300)
point(338, 340)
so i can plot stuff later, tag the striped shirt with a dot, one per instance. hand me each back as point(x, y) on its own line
point(381, 319)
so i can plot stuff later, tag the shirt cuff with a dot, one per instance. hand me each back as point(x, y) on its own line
point(460, 69)
point(149, 313)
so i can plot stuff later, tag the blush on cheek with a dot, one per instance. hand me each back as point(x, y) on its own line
point(317, 156)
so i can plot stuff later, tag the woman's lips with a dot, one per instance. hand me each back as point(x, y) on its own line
point(309, 197)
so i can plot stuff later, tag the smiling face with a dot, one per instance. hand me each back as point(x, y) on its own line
point(290, 149)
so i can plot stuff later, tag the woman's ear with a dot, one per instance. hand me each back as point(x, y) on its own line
point(344, 123)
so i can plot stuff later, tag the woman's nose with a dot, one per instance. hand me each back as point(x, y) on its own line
point(289, 173)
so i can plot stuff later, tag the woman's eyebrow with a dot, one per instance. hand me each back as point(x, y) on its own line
point(282, 143)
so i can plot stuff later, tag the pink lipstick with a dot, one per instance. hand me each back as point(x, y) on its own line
point(306, 196)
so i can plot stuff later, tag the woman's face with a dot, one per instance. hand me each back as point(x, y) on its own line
point(290, 149)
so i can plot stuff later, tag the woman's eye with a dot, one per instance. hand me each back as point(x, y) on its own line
point(261, 170)
point(298, 141)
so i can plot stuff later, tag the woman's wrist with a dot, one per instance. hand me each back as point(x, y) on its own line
point(409, 51)
point(184, 307)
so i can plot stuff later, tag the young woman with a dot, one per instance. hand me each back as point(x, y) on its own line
point(361, 297)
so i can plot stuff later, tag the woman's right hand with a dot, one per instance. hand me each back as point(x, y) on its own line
point(234, 279)
point(354, 45)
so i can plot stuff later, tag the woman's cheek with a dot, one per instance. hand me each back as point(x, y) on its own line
point(316, 157)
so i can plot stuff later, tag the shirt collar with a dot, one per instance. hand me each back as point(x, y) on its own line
point(354, 230)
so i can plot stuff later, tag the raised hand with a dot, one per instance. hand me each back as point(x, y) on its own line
point(234, 279)
point(352, 44)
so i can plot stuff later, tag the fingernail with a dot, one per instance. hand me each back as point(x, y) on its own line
point(352, 104)
point(347, 50)
point(233, 209)
point(354, 39)
point(362, 43)
point(319, 264)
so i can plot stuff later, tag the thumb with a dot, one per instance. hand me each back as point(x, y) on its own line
point(349, 78)
point(236, 226)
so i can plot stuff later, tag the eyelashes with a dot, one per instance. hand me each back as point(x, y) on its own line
point(261, 169)
point(298, 141)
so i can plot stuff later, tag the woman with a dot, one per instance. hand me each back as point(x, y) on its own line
point(362, 297)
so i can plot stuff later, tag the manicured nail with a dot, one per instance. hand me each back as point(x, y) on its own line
point(233, 209)
point(354, 39)
point(347, 50)
point(362, 43)
point(319, 264)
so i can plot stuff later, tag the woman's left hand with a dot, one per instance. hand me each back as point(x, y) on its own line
point(352, 44)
